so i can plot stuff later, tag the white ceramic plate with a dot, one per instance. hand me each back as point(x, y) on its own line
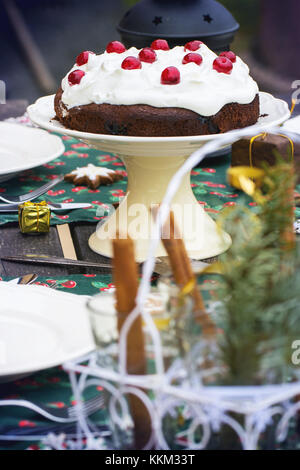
point(40, 328)
point(275, 112)
point(23, 148)
point(292, 125)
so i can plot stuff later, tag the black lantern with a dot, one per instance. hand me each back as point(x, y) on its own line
point(178, 21)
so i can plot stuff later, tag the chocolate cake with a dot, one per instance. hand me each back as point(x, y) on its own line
point(157, 91)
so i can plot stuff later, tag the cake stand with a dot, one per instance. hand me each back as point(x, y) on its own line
point(151, 162)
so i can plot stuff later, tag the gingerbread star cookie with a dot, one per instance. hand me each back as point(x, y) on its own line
point(92, 176)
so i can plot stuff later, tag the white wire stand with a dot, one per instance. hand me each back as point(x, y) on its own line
point(207, 407)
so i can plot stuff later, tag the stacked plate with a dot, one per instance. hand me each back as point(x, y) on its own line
point(23, 148)
point(40, 328)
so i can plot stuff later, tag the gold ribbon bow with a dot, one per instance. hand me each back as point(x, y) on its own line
point(248, 179)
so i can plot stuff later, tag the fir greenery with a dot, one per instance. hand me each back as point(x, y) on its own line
point(259, 309)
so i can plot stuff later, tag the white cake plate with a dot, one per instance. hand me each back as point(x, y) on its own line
point(23, 148)
point(151, 162)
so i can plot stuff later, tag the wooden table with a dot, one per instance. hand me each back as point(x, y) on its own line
point(13, 242)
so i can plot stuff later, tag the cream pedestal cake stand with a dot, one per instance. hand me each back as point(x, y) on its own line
point(151, 162)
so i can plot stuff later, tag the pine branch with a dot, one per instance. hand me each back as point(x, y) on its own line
point(260, 290)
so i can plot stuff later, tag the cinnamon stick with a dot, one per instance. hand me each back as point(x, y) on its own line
point(183, 272)
point(288, 235)
point(125, 274)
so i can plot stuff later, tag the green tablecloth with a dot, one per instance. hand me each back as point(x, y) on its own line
point(208, 182)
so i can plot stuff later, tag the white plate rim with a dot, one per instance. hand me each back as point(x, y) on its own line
point(56, 141)
point(292, 125)
point(46, 364)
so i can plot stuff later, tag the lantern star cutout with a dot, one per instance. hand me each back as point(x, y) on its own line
point(157, 20)
point(207, 18)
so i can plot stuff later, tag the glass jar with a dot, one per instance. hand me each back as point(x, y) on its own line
point(104, 322)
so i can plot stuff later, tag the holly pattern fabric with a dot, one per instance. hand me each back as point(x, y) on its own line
point(208, 182)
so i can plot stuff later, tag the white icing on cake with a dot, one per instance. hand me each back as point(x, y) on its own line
point(92, 171)
point(201, 89)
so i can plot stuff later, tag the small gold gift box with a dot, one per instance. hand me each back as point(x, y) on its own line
point(34, 217)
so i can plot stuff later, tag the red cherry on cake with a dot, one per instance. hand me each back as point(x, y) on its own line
point(83, 57)
point(131, 63)
point(160, 44)
point(230, 55)
point(192, 45)
point(170, 76)
point(147, 55)
point(74, 78)
point(192, 57)
point(222, 65)
point(115, 46)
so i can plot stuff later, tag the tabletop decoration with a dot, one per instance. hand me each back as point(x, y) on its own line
point(183, 273)
point(92, 176)
point(273, 190)
point(178, 22)
point(264, 259)
point(246, 402)
point(126, 291)
point(261, 148)
point(258, 300)
point(34, 217)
